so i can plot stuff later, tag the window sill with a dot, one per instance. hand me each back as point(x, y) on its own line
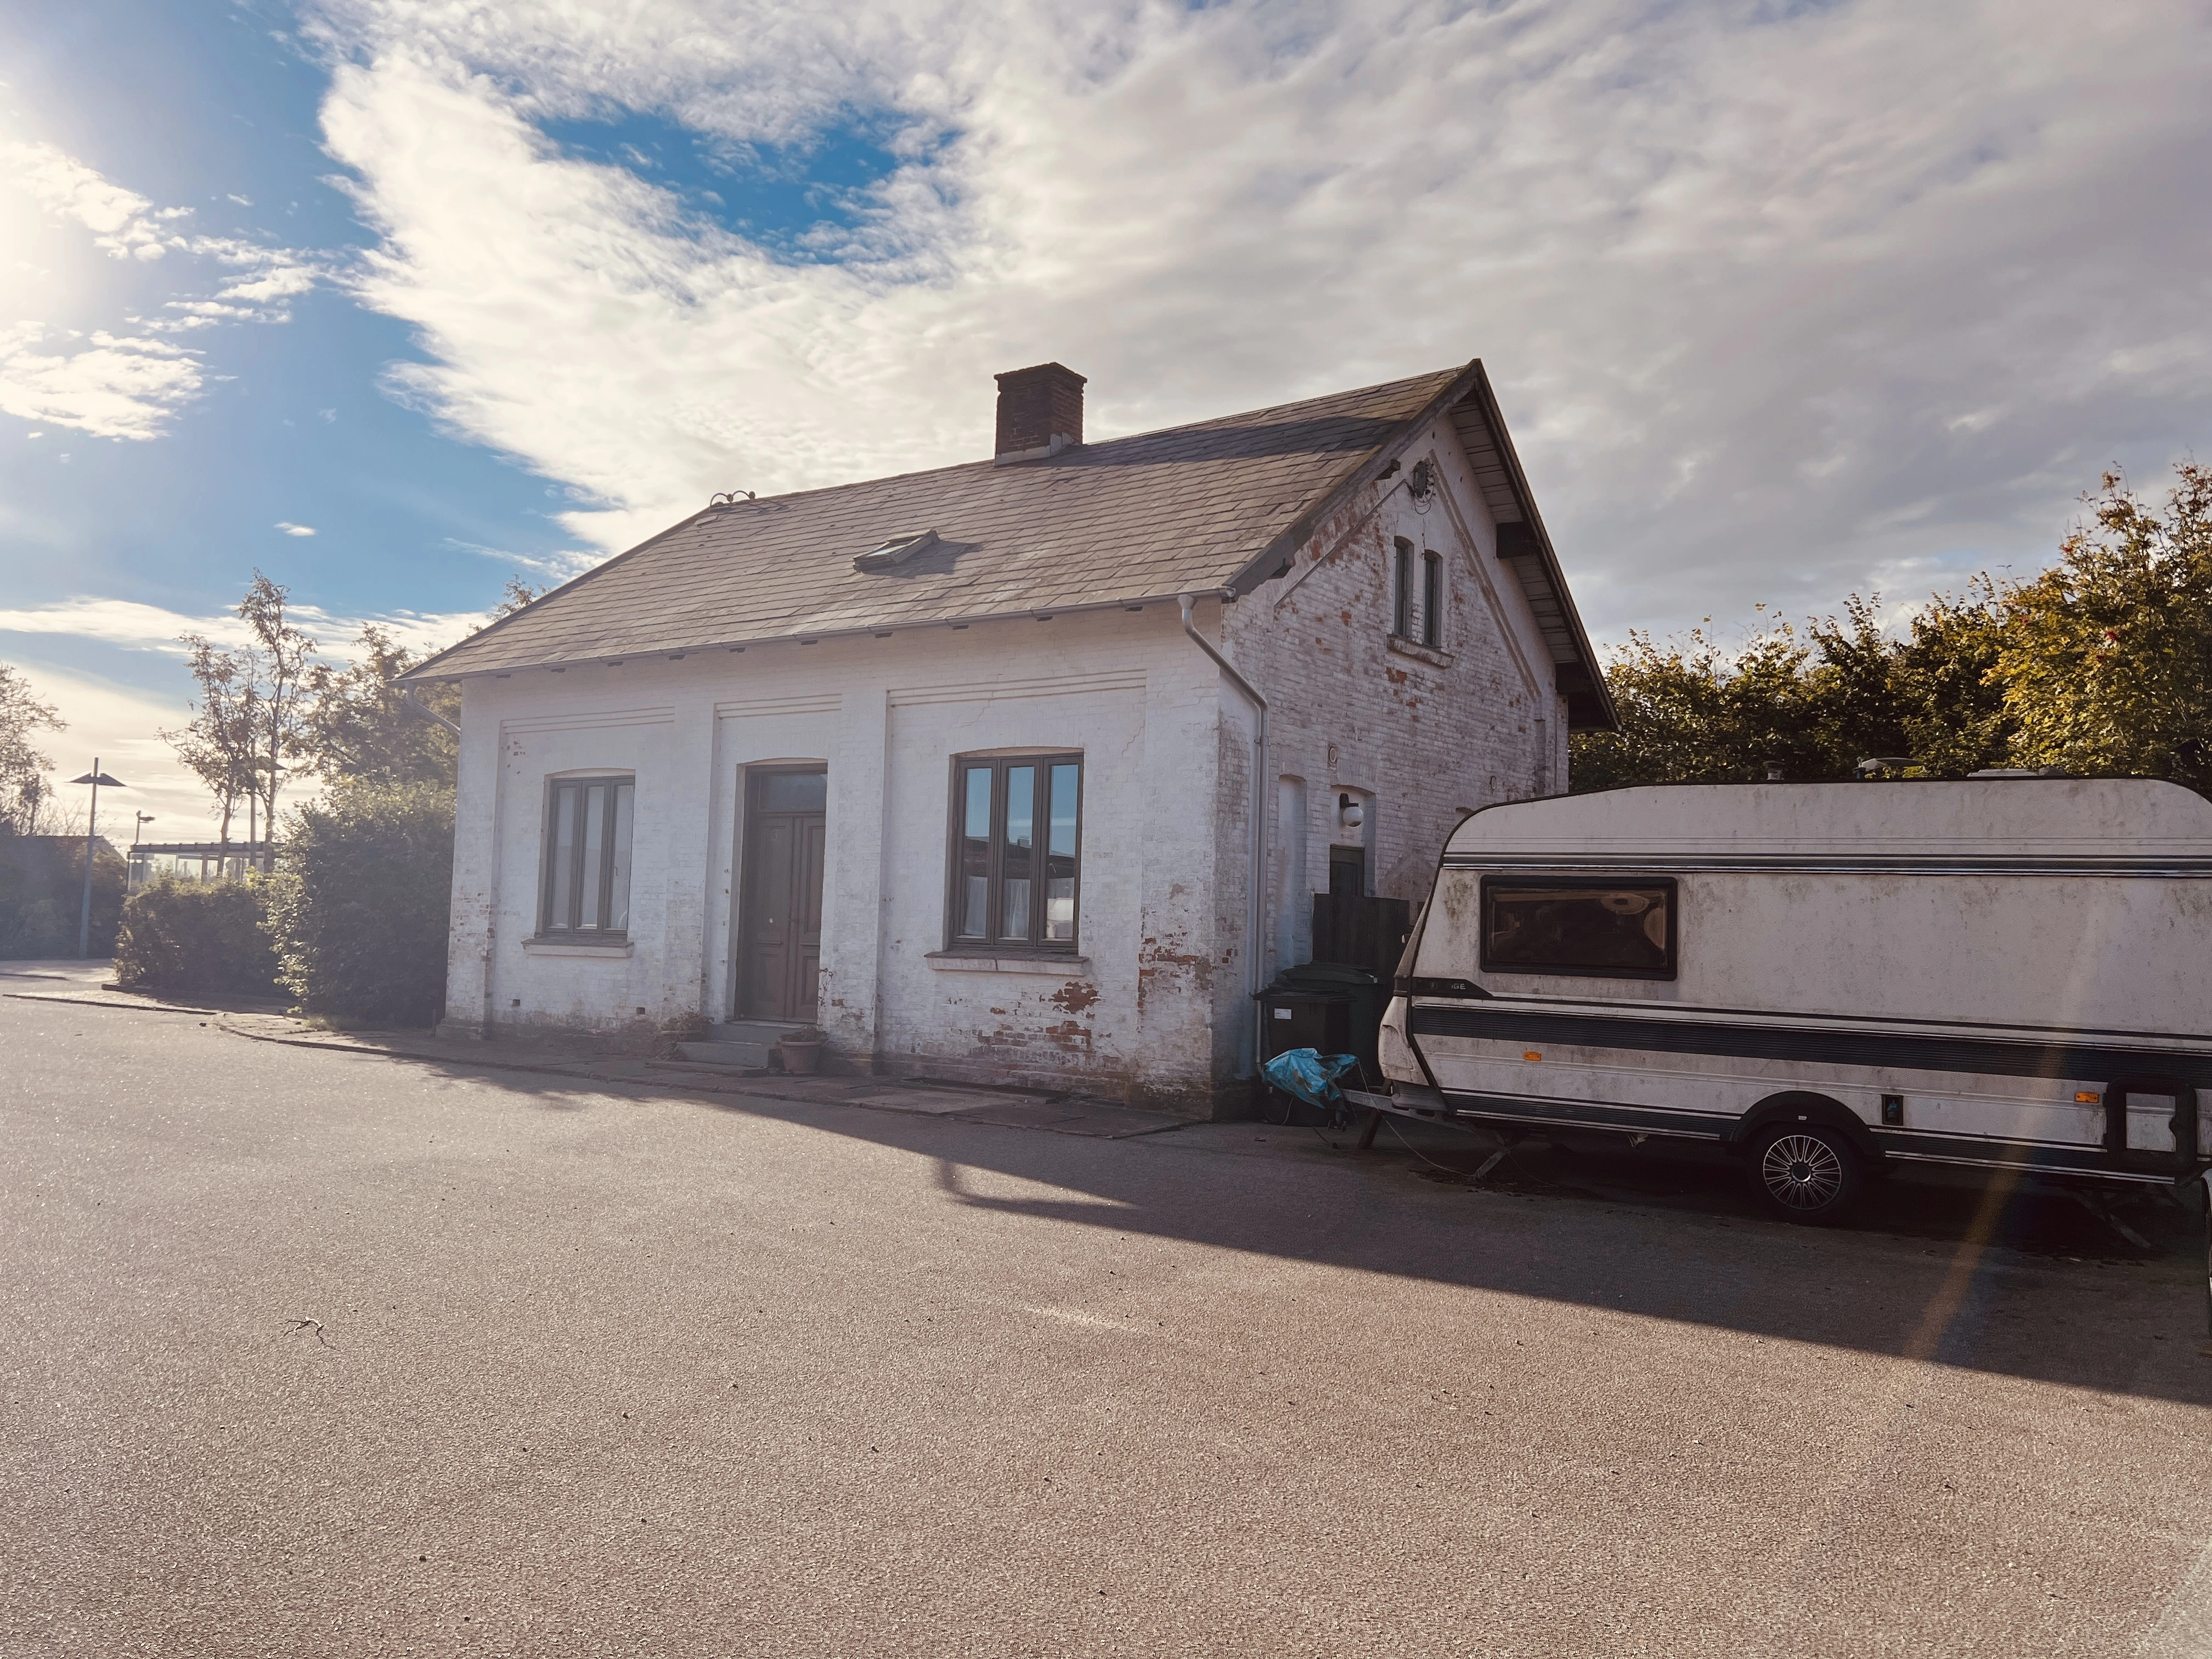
point(570, 947)
point(1414, 648)
point(961, 961)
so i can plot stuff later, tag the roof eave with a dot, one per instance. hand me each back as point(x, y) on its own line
point(1526, 498)
point(422, 672)
point(1267, 564)
point(1471, 382)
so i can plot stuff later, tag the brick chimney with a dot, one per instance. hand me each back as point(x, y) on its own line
point(1040, 412)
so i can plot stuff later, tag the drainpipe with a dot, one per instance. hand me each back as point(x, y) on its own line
point(1256, 916)
point(491, 921)
point(407, 696)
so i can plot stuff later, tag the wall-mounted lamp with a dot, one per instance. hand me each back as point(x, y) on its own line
point(1349, 812)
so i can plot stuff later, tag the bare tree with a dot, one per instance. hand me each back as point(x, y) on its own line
point(280, 652)
point(218, 743)
point(516, 594)
point(251, 709)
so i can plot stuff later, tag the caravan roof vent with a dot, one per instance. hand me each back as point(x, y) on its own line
point(897, 549)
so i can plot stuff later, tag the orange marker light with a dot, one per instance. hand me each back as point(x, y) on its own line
point(1530, 1053)
point(2086, 1099)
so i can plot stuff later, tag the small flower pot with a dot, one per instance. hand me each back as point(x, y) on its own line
point(799, 1058)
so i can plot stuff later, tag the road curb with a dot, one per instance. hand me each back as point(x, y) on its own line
point(679, 1085)
point(104, 1002)
point(489, 1064)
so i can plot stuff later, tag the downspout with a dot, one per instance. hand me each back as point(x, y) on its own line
point(1256, 916)
point(491, 904)
point(407, 696)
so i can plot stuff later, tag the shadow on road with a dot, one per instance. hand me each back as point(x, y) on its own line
point(2023, 1281)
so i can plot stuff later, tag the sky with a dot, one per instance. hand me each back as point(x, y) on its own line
point(397, 299)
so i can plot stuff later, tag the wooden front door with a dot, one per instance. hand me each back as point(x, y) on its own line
point(780, 907)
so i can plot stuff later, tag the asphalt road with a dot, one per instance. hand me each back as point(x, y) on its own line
point(602, 1371)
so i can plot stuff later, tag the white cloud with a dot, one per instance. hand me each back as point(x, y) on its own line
point(291, 529)
point(122, 622)
point(140, 626)
point(1738, 271)
point(123, 222)
point(117, 386)
point(128, 226)
point(559, 566)
point(130, 384)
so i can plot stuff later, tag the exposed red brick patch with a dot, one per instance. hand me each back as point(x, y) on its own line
point(1076, 995)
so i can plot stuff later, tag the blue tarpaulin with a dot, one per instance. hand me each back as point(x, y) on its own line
point(1308, 1074)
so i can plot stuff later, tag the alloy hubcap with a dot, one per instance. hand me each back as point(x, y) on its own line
point(1802, 1172)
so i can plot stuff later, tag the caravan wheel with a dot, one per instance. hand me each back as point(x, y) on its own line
point(1806, 1173)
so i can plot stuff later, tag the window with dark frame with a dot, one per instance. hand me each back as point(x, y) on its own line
point(584, 887)
point(1596, 929)
point(1401, 599)
point(1017, 842)
point(1432, 599)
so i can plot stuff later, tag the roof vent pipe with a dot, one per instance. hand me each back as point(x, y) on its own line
point(1040, 412)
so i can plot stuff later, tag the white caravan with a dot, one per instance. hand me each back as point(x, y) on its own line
point(2008, 972)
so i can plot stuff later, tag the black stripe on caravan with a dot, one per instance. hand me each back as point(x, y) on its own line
point(1594, 1114)
point(2077, 1062)
point(1631, 869)
point(1993, 1153)
point(1981, 1151)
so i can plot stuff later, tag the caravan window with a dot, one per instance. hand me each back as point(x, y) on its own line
point(1544, 925)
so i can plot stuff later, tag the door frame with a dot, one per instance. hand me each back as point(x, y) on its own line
point(740, 866)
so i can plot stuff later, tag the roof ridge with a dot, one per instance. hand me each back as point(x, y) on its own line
point(1125, 437)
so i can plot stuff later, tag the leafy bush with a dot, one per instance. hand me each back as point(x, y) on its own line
point(199, 939)
point(42, 888)
point(360, 902)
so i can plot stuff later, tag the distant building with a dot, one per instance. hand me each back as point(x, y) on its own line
point(955, 764)
point(194, 861)
point(42, 895)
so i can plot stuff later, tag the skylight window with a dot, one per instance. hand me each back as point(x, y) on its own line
point(897, 549)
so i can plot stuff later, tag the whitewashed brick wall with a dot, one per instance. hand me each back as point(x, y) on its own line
point(1420, 744)
point(1159, 1012)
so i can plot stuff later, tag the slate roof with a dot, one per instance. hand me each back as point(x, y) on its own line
point(1217, 507)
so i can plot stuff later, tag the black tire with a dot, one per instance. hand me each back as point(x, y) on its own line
point(1806, 1173)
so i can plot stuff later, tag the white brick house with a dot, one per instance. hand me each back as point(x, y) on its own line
point(981, 802)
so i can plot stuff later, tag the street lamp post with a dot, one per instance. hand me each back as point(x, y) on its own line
point(144, 818)
point(95, 778)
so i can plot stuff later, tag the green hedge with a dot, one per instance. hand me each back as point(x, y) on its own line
point(360, 902)
point(199, 939)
